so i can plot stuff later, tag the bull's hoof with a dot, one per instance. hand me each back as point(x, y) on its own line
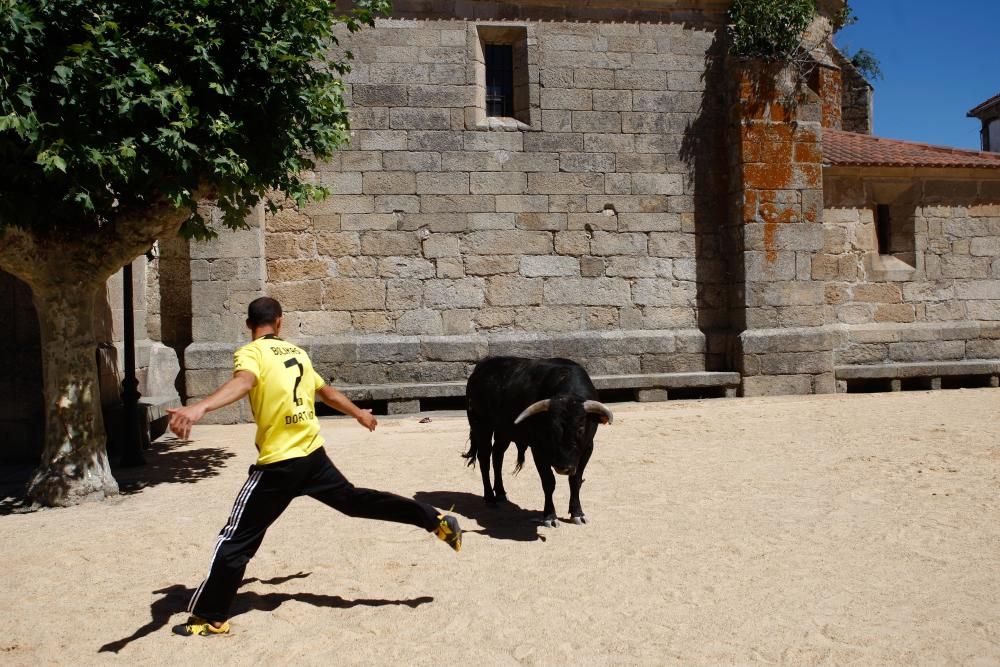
point(579, 519)
point(496, 501)
point(550, 521)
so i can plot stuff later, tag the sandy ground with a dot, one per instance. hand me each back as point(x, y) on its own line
point(861, 529)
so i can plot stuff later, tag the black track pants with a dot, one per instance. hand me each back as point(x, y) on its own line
point(265, 495)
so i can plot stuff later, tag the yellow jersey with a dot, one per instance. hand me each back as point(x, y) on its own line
point(282, 400)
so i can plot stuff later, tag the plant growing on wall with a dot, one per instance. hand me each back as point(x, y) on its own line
point(768, 29)
point(866, 63)
point(117, 117)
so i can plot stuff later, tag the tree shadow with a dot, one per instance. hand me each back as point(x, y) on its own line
point(13, 482)
point(506, 521)
point(174, 599)
point(168, 463)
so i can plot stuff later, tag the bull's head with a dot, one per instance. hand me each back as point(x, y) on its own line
point(571, 424)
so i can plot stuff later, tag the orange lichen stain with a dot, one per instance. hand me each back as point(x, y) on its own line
point(808, 175)
point(830, 93)
point(768, 176)
point(774, 196)
point(771, 251)
point(770, 132)
point(808, 152)
point(781, 112)
point(773, 215)
point(777, 214)
point(807, 133)
point(771, 151)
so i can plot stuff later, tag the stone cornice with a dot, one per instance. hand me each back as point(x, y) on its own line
point(555, 9)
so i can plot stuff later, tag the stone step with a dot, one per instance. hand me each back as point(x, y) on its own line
point(928, 375)
point(919, 369)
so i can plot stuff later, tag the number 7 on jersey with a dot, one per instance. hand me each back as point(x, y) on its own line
point(292, 363)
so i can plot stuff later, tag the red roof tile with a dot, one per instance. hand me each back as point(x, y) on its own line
point(978, 109)
point(849, 149)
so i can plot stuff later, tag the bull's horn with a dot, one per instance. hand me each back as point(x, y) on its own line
point(533, 409)
point(596, 407)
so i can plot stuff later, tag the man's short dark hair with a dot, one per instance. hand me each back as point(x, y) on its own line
point(263, 311)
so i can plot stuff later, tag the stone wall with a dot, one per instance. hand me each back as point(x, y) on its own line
point(785, 342)
point(597, 213)
point(939, 302)
point(856, 97)
point(225, 275)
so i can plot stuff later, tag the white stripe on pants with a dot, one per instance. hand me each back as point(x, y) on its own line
point(227, 532)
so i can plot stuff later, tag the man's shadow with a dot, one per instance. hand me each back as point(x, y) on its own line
point(174, 599)
point(504, 521)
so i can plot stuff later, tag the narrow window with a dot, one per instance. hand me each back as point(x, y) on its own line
point(883, 228)
point(499, 79)
point(506, 78)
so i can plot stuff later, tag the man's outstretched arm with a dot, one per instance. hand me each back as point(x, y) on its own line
point(341, 403)
point(182, 419)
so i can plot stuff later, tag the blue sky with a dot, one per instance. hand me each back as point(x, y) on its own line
point(939, 60)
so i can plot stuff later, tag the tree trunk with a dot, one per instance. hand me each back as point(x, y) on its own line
point(65, 270)
point(74, 465)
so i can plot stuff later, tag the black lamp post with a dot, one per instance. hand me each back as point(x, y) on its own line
point(131, 441)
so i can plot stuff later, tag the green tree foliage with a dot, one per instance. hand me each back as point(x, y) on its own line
point(109, 105)
point(117, 117)
point(768, 29)
point(866, 63)
point(845, 17)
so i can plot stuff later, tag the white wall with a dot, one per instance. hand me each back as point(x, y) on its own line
point(995, 136)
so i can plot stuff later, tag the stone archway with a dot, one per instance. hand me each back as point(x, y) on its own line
point(21, 403)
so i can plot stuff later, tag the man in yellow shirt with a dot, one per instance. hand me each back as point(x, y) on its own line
point(291, 462)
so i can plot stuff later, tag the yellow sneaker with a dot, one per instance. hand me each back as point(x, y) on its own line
point(199, 626)
point(449, 532)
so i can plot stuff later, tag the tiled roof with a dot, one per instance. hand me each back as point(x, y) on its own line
point(993, 101)
point(849, 149)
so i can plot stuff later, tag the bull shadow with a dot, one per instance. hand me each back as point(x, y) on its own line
point(174, 599)
point(506, 521)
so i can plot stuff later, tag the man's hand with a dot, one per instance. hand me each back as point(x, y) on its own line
point(182, 419)
point(367, 419)
point(341, 403)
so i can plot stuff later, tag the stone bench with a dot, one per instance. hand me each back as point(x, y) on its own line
point(155, 410)
point(405, 397)
point(932, 371)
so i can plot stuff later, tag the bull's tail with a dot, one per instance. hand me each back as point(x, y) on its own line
point(520, 457)
point(470, 456)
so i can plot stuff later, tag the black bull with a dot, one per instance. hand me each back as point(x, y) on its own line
point(549, 405)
